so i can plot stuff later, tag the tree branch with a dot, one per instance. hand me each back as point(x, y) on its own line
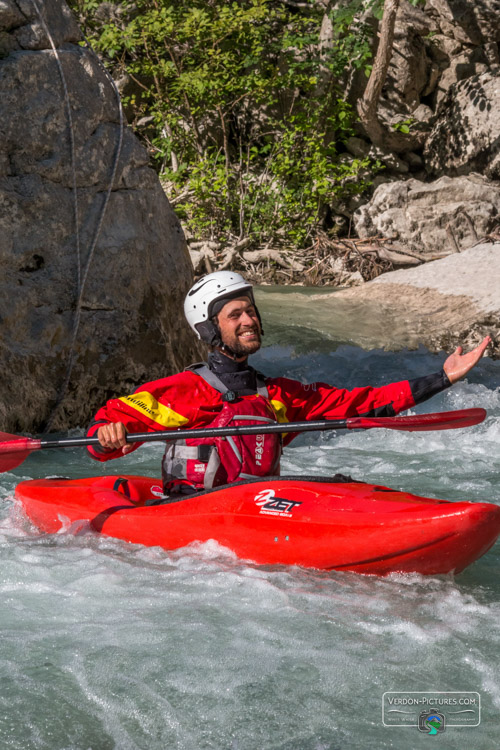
point(368, 104)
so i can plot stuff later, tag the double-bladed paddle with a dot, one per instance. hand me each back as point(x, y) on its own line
point(14, 449)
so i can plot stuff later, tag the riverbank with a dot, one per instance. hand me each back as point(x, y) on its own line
point(442, 304)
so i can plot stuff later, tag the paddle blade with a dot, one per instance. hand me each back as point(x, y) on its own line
point(446, 420)
point(14, 450)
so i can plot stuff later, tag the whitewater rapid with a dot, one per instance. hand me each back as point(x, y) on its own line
point(107, 645)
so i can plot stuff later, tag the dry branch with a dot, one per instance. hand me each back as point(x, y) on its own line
point(285, 261)
point(334, 261)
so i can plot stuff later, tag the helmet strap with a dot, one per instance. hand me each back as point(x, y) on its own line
point(219, 344)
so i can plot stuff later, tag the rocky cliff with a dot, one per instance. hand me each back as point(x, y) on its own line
point(94, 262)
point(439, 193)
point(437, 202)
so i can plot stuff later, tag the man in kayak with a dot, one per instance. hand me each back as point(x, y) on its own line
point(227, 391)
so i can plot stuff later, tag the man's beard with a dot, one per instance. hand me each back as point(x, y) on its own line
point(241, 349)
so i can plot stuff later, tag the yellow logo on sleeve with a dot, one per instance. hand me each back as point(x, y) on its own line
point(146, 404)
point(280, 410)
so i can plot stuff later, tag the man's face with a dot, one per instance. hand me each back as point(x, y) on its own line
point(240, 327)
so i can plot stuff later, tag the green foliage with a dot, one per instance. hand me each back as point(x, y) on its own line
point(403, 126)
point(239, 104)
point(353, 37)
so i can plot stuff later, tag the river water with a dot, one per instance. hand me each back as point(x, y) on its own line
point(107, 645)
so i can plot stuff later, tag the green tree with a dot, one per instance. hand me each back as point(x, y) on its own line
point(240, 106)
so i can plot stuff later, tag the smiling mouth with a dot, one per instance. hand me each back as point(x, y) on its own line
point(248, 334)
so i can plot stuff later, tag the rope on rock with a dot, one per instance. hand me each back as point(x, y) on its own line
point(81, 277)
point(71, 136)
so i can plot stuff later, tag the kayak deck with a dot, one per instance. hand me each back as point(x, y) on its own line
point(343, 525)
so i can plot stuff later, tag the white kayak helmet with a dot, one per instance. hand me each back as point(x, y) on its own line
point(201, 301)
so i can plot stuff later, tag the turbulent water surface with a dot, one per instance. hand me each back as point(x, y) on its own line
point(110, 645)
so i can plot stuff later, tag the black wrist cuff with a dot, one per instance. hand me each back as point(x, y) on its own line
point(428, 386)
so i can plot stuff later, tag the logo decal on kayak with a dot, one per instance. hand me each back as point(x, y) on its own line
point(259, 449)
point(270, 505)
point(156, 491)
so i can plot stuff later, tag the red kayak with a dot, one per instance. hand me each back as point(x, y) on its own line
point(315, 523)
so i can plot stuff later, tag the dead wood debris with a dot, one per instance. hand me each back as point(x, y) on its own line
point(327, 261)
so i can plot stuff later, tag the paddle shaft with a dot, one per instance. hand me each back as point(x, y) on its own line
point(205, 432)
point(14, 450)
point(414, 423)
point(23, 444)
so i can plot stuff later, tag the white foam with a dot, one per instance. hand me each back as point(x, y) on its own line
point(121, 646)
